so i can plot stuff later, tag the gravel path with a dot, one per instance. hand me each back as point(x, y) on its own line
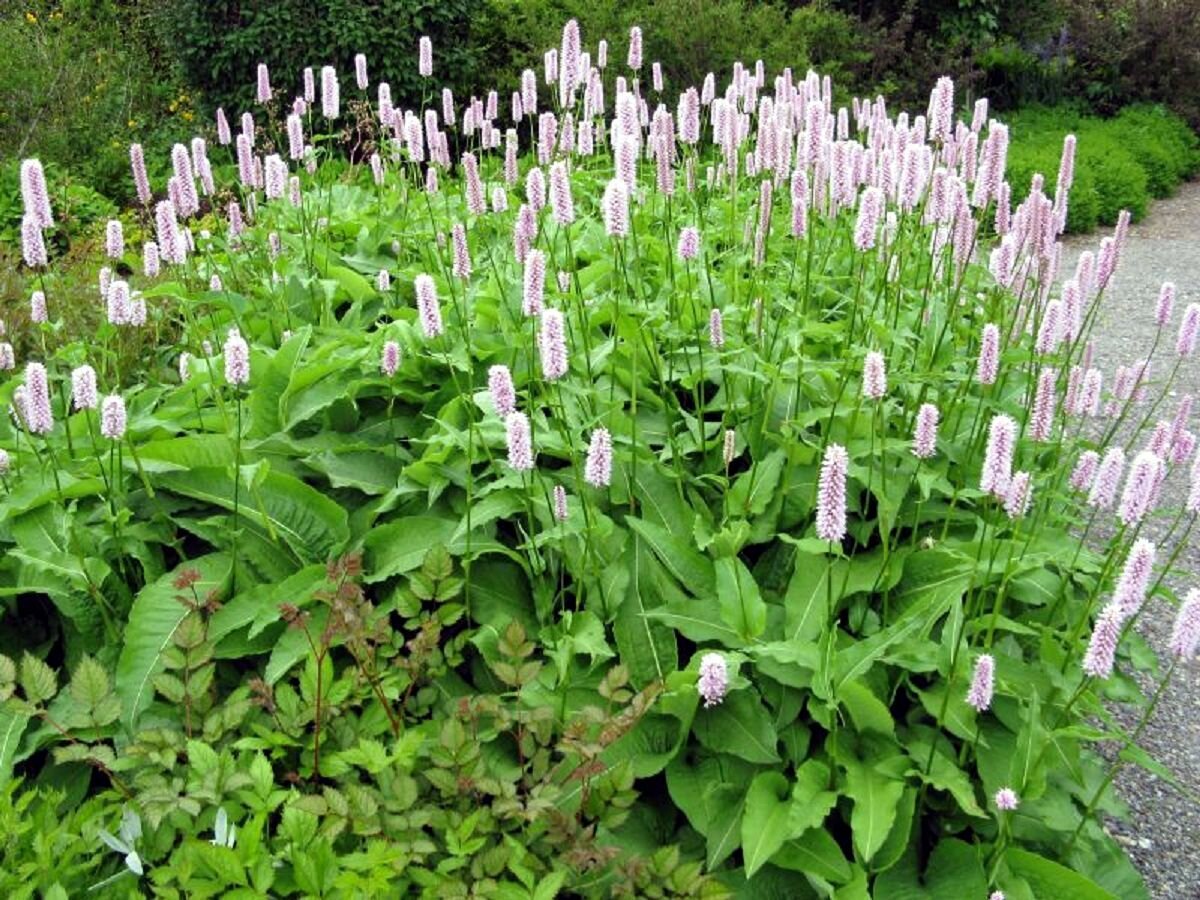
point(1164, 825)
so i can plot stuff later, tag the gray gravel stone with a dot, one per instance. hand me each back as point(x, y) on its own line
point(1164, 823)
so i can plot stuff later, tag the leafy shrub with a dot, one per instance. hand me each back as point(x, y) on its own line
point(393, 564)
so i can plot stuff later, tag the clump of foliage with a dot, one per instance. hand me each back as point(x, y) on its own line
point(1124, 161)
point(704, 525)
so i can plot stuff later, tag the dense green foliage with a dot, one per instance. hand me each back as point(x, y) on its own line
point(287, 610)
point(1142, 153)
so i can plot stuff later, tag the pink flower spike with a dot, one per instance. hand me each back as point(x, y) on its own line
point(425, 57)
point(874, 384)
point(83, 388)
point(34, 193)
point(534, 283)
point(716, 329)
point(552, 344)
point(560, 503)
point(500, 387)
point(1019, 495)
point(1130, 591)
point(1140, 485)
point(114, 239)
point(112, 417)
point(1085, 471)
point(616, 208)
point(713, 681)
point(989, 355)
point(462, 256)
point(1041, 420)
point(389, 362)
point(428, 307)
point(597, 471)
point(1165, 304)
point(1185, 635)
point(1189, 328)
point(997, 461)
point(689, 242)
point(520, 448)
point(1101, 653)
point(729, 447)
point(37, 308)
point(39, 418)
point(925, 431)
point(237, 358)
point(982, 683)
point(1108, 478)
point(831, 494)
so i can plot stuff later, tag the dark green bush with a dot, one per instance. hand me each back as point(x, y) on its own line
point(1121, 182)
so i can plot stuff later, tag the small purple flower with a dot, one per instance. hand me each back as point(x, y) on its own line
point(520, 447)
point(1185, 635)
point(713, 681)
point(83, 387)
point(34, 193)
point(534, 282)
point(874, 384)
point(37, 308)
point(552, 345)
point(1102, 649)
point(1006, 799)
point(389, 361)
point(112, 417)
point(982, 683)
point(989, 355)
point(1085, 471)
point(237, 358)
point(114, 239)
point(1189, 327)
point(39, 418)
point(1165, 304)
point(1019, 495)
point(1108, 479)
point(1139, 493)
point(1130, 592)
point(689, 242)
point(925, 431)
point(831, 494)
point(998, 457)
point(716, 329)
point(616, 208)
point(428, 307)
point(597, 471)
point(1041, 420)
point(33, 245)
point(462, 256)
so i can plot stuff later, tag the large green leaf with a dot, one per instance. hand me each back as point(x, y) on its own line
point(817, 853)
point(152, 621)
point(400, 546)
point(314, 526)
point(817, 575)
point(680, 557)
point(12, 726)
point(647, 647)
point(765, 820)
point(742, 605)
point(955, 871)
point(876, 787)
point(271, 382)
point(1050, 879)
point(740, 725)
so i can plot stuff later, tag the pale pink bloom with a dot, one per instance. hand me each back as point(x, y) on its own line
point(1090, 393)
point(1189, 327)
point(112, 417)
point(1165, 304)
point(597, 470)
point(1041, 420)
point(1185, 635)
point(4, 462)
point(330, 93)
point(520, 448)
point(185, 366)
point(534, 283)
point(997, 461)
point(716, 329)
point(360, 71)
point(1050, 332)
point(499, 199)
point(988, 366)
point(982, 683)
point(1006, 799)
point(874, 383)
point(83, 388)
point(114, 239)
point(428, 307)
point(560, 503)
point(37, 308)
point(224, 138)
point(1102, 648)
point(831, 494)
point(39, 418)
point(728, 447)
point(925, 431)
point(635, 47)
point(141, 181)
point(1019, 495)
point(560, 194)
point(552, 345)
point(500, 387)
point(535, 189)
point(33, 245)
point(119, 307)
point(462, 256)
point(389, 361)
point(870, 207)
point(616, 208)
point(1108, 478)
point(713, 681)
point(425, 57)
point(1140, 484)
point(1085, 471)
point(8, 359)
point(383, 280)
point(1130, 591)
point(476, 202)
point(237, 358)
point(34, 193)
point(689, 242)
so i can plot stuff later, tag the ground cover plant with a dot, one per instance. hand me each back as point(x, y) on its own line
point(610, 491)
